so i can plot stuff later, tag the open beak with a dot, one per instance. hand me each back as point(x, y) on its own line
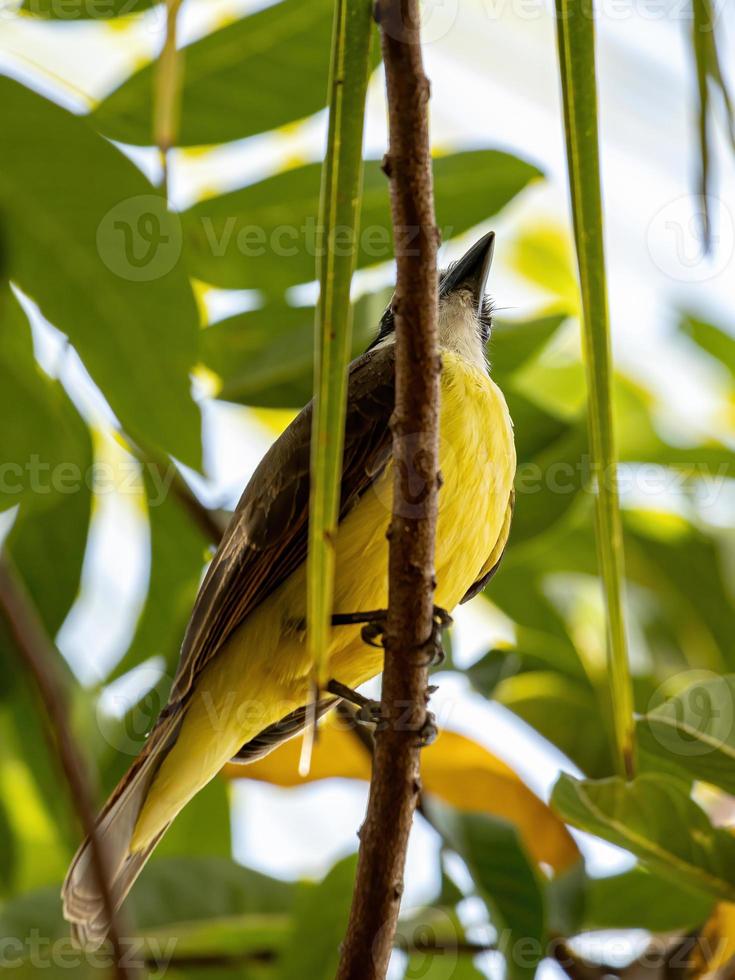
point(472, 270)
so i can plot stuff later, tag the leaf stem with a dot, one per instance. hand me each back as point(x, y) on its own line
point(576, 42)
point(339, 224)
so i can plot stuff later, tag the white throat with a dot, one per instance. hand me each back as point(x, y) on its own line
point(459, 330)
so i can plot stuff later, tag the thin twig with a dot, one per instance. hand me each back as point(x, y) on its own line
point(395, 785)
point(39, 658)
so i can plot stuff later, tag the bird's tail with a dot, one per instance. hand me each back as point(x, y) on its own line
point(84, 906)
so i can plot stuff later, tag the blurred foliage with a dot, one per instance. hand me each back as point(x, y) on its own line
point(72, 253)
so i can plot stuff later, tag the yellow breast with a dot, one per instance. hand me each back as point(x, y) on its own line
point(477, 461)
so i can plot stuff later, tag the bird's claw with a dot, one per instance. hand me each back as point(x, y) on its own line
point(370, 713)
point(441, 620)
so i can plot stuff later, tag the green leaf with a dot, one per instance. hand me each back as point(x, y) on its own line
point(576, 40)
point(339, 213)
point(566, 900)
point(683, 569)
point(504, 877)
point(319, 924)
point(234, 937)
point(38, 450)
point(441, 965)
point(695, 731)
point(513, 343)
point(653, 817)
point(177, 550)
point(191, 889)
point(8, 855)
point(565, 712)
point(71, 10)
point(640, 899)
point(547, 485)
point(713, 340)
point(256, 74)
point(102, 260)
point(47, 542)
point(265, 357)
point(265, 236)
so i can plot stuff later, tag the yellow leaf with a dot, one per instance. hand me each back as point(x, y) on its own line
point(454, 768)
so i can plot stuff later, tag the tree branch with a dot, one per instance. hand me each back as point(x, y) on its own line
point(39, 658)
point(395, 786)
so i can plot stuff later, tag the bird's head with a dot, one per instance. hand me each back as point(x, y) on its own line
point(465, 312)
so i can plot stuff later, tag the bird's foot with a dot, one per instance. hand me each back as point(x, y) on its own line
point(375, 624)
point(369, 712)
point(441, 620)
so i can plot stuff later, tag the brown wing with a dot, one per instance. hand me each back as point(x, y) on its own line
point(266, 539)
point(491, 565)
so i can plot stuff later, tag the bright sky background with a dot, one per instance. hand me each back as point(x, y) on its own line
point(493, 69)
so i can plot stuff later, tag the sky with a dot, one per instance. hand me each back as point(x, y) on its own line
point(492, 64)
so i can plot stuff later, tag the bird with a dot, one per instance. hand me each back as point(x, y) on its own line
point(243, 681)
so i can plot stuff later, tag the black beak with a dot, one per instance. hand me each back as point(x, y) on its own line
point(472, 270)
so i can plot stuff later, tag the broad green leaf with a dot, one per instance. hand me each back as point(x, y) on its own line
point(505, 879)
point(266, 235)
point(653, 817)
point(41, 843)
point(265, 357)
point(640, 899)
point(177, 554)
point(319, 922)
point(695, 731)
point(72, 10)
point(713, 340)
point(512, 343)
point(8, 852)
point(685, 572)
point(231, 937)
point(565, 900)
point(339, 214)
point(37, 447)
point(442, 964)
point(565, 712)
point(101, 257)
point(47, 543)
point(191, 889)
point(576, 41)
point(255, 74)
point(548, 483)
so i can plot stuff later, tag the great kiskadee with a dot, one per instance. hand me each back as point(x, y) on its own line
point(243, 679)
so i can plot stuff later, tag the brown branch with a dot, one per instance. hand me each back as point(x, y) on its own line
point(39, 658)
point(395, 785)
